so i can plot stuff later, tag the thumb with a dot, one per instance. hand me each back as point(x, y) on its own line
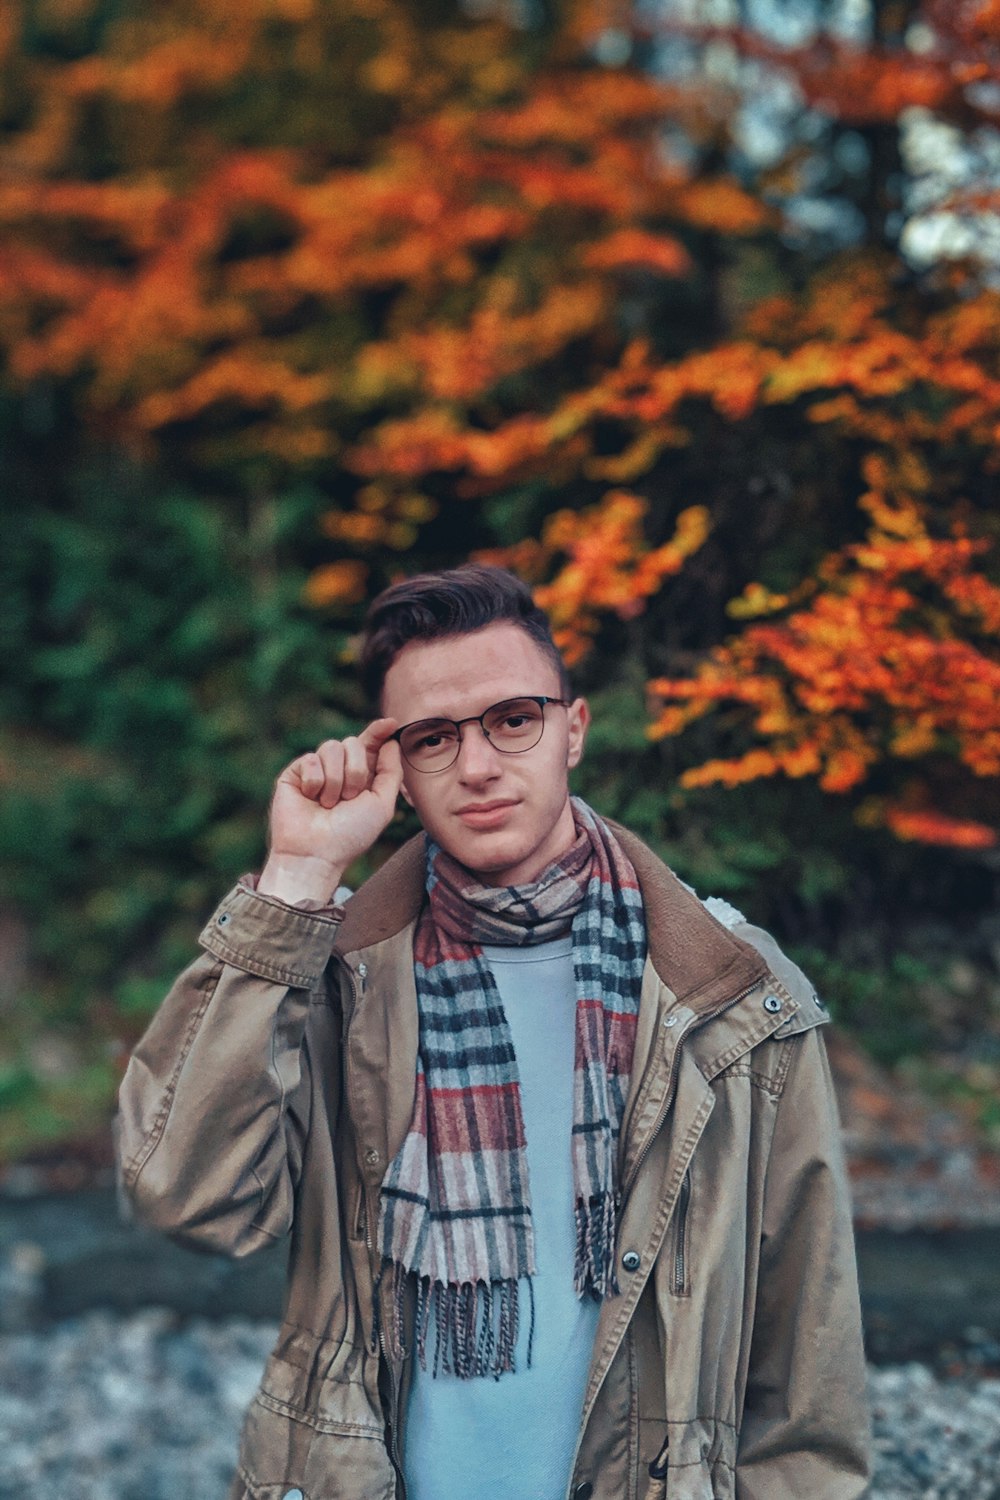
point(388, 776)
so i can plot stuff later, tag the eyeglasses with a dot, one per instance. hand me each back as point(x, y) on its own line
point(513, 726)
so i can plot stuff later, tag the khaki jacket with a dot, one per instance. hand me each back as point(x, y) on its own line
point(276, 1082)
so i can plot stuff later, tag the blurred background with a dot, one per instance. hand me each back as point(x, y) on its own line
point(686, 310)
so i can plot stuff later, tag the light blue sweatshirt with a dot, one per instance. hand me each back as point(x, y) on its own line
point(514, 1438)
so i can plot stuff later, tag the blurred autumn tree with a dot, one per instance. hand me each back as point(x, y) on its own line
point(255, 286)
point(298, 294)
point(878, 667)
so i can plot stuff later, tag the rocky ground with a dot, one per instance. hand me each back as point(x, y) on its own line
point(147, 1407)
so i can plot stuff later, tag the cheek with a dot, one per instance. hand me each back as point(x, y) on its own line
point(422, 799)
point(549, 785)
point(562, 757)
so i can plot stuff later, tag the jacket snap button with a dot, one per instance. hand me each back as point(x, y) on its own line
point(670, 1020)
point(772, 1003)
point(293, 1495)
point(225, 919)
point(631, 1260)
point(583, 1491)
point(373, 1157)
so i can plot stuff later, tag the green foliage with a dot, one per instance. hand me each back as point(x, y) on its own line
point(883, 1003)
point(973, 1090)
point(37, 1112)
point(161, 669)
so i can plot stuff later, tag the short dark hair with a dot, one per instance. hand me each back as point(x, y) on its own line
point(455, 601)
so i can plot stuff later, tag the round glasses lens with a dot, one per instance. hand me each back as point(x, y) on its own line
point(515, 725)
point(430, 745)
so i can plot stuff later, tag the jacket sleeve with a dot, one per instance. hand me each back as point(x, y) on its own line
point(213, 1108)
point(806, 1422)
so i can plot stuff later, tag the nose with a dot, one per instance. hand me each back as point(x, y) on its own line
point(478, 760)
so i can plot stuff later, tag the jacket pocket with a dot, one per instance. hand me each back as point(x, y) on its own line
point(312, 1427)
point(359, 1214)
point(680, 1270)
point(281, 1453)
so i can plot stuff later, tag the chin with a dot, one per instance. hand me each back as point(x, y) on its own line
point(494, 853)
point(487, 852)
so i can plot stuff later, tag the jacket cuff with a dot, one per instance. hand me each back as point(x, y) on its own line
point(267, 937)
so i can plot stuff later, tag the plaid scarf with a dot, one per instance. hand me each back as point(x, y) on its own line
point(455, 1206)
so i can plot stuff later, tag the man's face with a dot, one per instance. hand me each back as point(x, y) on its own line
point(506, 817)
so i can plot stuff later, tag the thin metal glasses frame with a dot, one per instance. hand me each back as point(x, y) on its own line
point(479, 719)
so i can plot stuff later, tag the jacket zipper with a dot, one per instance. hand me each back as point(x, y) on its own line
point(369, 1245)
point(680, 1258)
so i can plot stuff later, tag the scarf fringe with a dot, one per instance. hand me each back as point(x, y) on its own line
point(476, 1323)
point(594, 1264)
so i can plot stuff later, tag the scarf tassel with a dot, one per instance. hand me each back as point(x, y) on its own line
point(476, 1324)
point(594, 1267)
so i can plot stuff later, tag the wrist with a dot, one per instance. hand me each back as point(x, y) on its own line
point(297, 877)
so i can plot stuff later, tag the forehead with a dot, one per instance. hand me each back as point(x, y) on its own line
point(464, 674)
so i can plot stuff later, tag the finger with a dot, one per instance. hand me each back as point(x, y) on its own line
point(305, 774)
point(331, 754)
point(375, 735)
point(357, 771)
point(388, 776)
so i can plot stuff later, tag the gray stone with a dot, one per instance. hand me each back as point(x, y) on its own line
point(113, 1410)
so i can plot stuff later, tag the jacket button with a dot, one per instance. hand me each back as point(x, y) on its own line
point(373, 1157)
point(631, 1260)
point(772, 1003)
point(225, 919)
point(293, 1495)
point(583, 1491)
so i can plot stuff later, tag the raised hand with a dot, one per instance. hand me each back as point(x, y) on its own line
point(328, 807)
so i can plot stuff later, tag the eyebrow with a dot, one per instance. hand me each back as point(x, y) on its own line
point(490, 703)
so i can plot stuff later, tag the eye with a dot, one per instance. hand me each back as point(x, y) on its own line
point(431, 738)
point(515, 719)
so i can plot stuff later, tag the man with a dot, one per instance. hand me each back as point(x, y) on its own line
point(556, 1143)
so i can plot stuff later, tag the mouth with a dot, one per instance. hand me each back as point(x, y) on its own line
point(485, 814)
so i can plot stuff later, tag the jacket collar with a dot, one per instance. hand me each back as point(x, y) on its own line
point(698, 959)
point(387, 902)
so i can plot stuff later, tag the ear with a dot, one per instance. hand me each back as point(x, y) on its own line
point(405, 794)
point(578, 716)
